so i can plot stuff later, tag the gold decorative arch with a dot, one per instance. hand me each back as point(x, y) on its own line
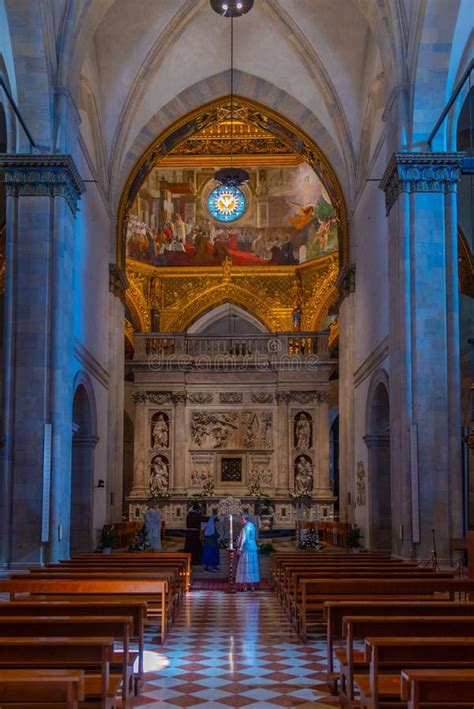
point(206, 116)
point(229, 293)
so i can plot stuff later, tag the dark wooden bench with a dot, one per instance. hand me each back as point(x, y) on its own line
point(67, 653)
point(360, 627)
point(120, 627)
point(41, 689)
point(335, 611)
point(392, 655)
point(104, 607)
point(316, 592)
point(438, 689)
point(141, 589)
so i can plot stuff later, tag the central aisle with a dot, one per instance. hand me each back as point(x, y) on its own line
point(233, 651)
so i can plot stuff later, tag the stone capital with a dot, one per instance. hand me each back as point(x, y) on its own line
point(377, 440)
point(346, 281)
point(420, 172)
point(42, 175)
point(118, 282)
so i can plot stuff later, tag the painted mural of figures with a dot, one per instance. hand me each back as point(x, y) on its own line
point(159, 475)
point(160, 432)
point(303, 475)
point(303, 431)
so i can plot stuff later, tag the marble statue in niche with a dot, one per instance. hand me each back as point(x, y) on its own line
point(232, 430)
point(160, 430)
point(262, 476)
point(303, 475)
point(303, 427)
point(360, 484)
point(159, 475)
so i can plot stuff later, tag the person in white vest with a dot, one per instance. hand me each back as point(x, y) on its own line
point(153, 527)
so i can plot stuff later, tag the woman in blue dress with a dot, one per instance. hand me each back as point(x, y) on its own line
point(210, 552)
point(247, 551)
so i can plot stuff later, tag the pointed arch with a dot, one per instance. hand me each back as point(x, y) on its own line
point(227, 293)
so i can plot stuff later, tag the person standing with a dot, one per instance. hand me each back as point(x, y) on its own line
point(210, 552)
point(153, 527)
point(247, 551)
point(193, 544)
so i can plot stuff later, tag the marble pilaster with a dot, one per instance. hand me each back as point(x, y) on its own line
point(322, 412)
point(38, 354)
point(284, 483)
point(424, 348)
point(179, 462)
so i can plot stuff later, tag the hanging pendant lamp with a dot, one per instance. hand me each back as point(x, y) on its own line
point(231, 176)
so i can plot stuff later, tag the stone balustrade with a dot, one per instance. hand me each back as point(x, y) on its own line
point(300, 344)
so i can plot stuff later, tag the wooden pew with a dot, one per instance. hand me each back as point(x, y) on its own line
point(142, 589)
point(439, 688)
point(140, 556)
point(315, 592)
point(41, 689)
point(171, 595)
point(361, 627)
point(335, 611)
point(396, 654)
point(66, 652)
point(104, 607)
point(120, 627)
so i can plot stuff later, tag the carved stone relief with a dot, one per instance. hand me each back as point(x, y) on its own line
point(360, 485)
point(202, 469)
point(230, 397)
point(261, 397)
point(200, 397)
point(260, 472)
point(232, 430)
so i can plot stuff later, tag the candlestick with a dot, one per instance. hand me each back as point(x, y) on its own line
point(231, 545)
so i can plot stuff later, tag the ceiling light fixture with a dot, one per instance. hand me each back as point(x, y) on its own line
point(232, 8)
point(232, 176)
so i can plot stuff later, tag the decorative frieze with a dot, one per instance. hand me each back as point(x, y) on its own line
point(420, 172)
point(230, 397)
point(42, 175)
point(159, 397)
point(261, 397)
point(200, 397)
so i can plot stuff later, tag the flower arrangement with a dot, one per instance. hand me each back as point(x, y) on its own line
point(302, 498)
point(139, 542)
point(310, 541)
point(158, 496)
point(107, 537)
point(265, 548)
point(354, 537)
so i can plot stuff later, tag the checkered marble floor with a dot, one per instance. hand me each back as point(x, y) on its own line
point(233, 650)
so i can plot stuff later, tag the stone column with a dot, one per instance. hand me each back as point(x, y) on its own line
point(424, 349)
point(322, 479)
point(178, 480)
point(42, 195)
point(379, 498)
point(284, 445)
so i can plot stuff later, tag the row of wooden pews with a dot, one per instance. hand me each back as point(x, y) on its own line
point(390, 624)
point(72, 633)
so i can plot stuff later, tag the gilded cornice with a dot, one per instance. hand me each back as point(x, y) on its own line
point(42, 175)
point(268, 292)
point(420, 172)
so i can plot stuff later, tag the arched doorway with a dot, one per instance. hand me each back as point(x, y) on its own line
point(377, 440)
point(334, 461)
point(84, 440)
